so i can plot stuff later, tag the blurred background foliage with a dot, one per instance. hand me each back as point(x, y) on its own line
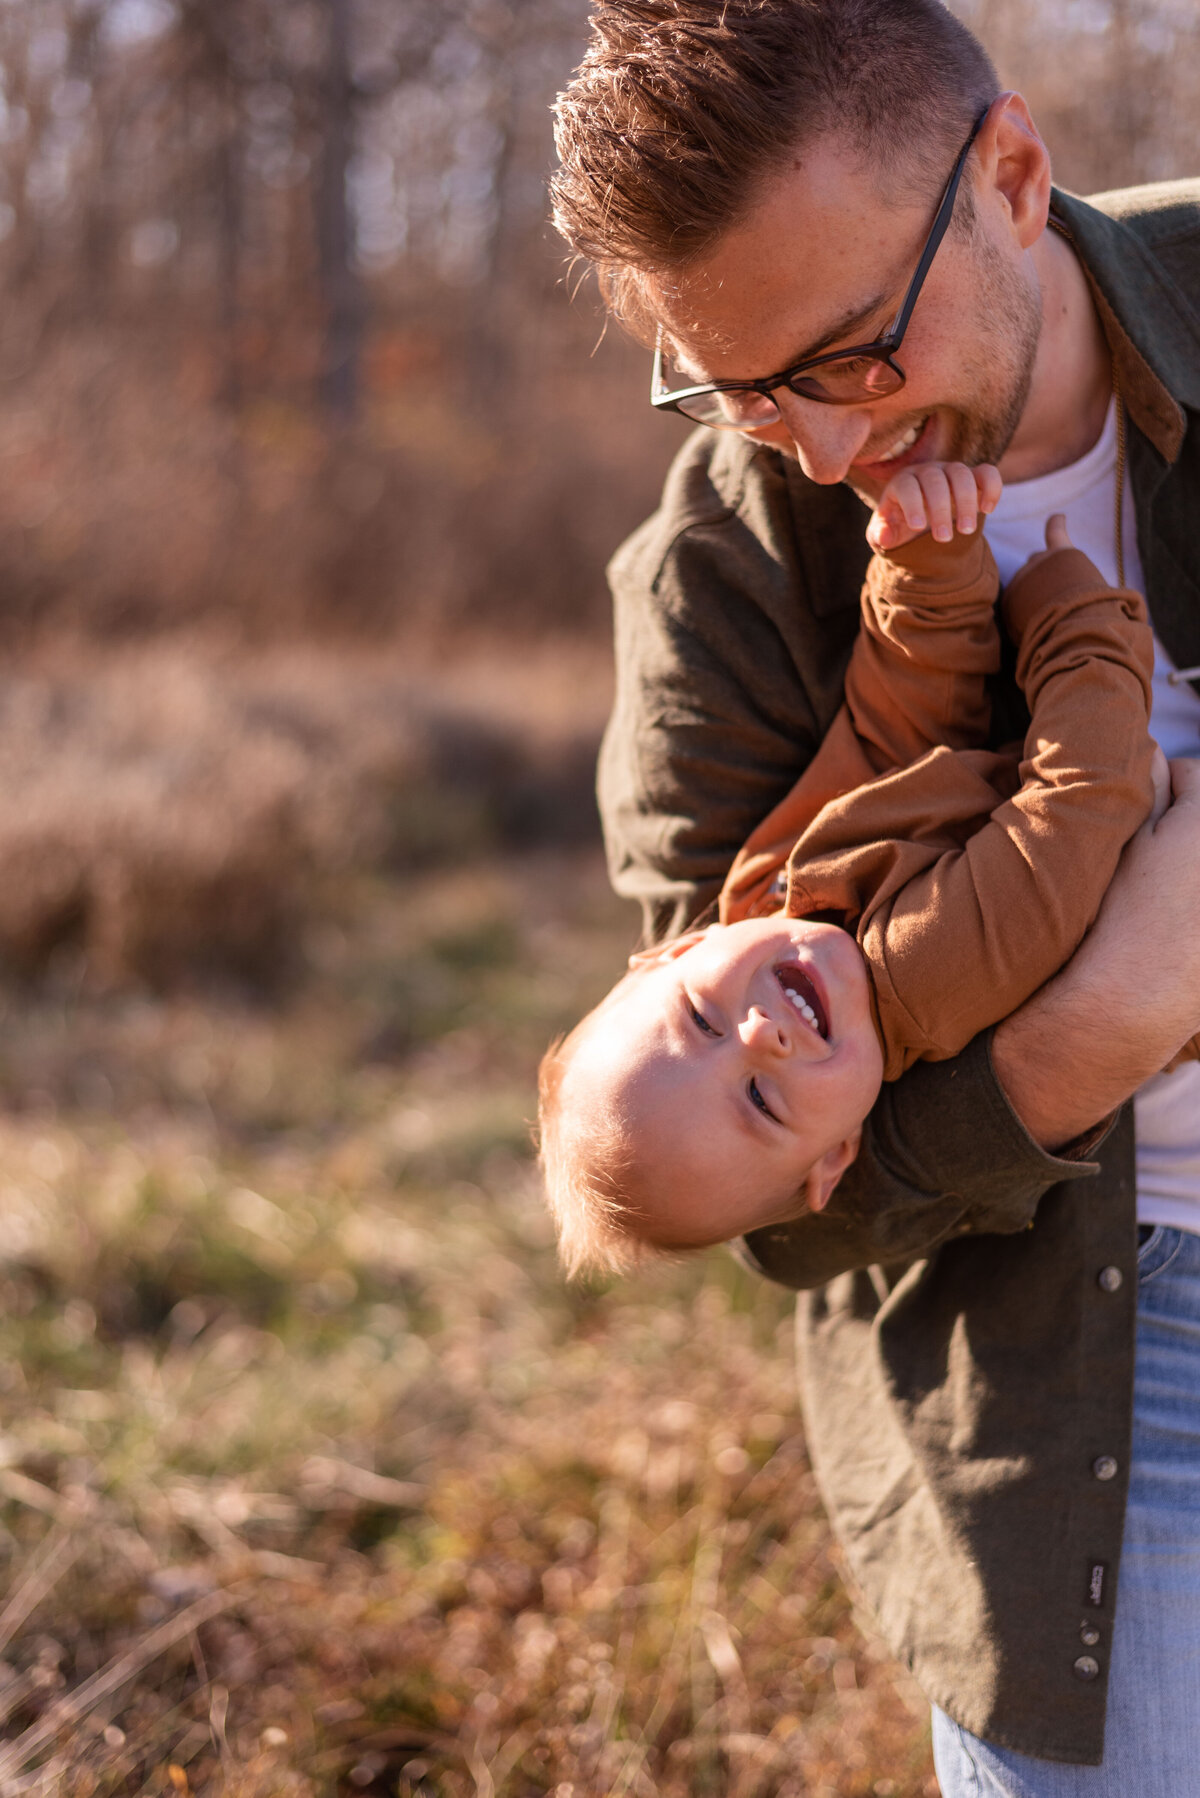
point(313, 1477)
point(288, 355)
point(285, 337)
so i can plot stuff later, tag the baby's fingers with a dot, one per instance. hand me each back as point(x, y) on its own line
point(974, 492)
point(900, 515)
point(1160, 781)
point(989, 487)
point(940, 499)
point(1056, 532)
point(965, 490)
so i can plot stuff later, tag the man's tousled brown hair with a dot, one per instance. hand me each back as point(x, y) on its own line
point(681, 107)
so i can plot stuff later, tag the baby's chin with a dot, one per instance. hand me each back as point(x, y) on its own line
point(764, 1216)
point(790, 1213)
point(682, 1236)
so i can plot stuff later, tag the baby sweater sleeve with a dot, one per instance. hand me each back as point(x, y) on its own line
point(968, 938)
point(917, 678)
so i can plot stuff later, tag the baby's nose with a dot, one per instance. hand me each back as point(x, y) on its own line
point(760, 1031)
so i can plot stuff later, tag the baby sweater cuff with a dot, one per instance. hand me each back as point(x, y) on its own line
point(963, 567)
point(1061, 578)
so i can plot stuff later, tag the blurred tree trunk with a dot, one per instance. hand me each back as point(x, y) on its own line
point(229, 183)
point(340, 287)
point(211, 91)
point(1132, 90)
point(100, 233)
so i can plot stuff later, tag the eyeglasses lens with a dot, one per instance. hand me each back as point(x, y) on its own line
point(739, 410)
point(841, 383)
point(834, 383)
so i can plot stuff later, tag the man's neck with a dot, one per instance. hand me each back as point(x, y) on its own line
point(1072, 372)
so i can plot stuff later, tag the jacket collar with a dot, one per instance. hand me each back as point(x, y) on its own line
point(1151, 329)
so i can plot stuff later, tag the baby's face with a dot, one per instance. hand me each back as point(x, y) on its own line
point(750, 1061)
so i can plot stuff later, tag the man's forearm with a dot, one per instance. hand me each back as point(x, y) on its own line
point(1130, 997)
point(1061, 1071)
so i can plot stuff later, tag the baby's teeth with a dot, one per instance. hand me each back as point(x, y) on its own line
point(803, 1007)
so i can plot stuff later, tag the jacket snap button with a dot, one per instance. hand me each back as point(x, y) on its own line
point(1104, 1467)
point(1089, 1635)
point(1087, 1666)
point(1110, 1279)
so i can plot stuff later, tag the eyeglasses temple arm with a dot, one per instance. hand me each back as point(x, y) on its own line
point(937, 231)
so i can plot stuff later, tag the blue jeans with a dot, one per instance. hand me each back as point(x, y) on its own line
point(1152, 1739)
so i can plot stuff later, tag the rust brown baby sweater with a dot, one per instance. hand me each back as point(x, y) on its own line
point(969, 876)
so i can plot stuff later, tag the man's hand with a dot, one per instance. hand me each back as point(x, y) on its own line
point(1130, 996)
point(937, 497)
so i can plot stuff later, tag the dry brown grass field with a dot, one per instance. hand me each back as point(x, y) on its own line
point(314, 1477)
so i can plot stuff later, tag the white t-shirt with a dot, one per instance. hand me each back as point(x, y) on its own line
point(1167, 1109)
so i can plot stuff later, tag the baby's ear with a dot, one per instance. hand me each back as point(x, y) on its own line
point(824, 1175)
point(668, 951)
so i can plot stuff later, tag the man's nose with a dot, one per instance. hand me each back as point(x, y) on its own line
point(760, 1032)
point(826, 438)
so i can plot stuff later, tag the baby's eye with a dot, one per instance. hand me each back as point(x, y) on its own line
point(757, 1099)
point(699, 1019)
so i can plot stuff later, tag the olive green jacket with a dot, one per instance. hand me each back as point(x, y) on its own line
point(966, 1334)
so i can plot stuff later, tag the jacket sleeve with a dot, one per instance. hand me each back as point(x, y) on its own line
point(943, 1156)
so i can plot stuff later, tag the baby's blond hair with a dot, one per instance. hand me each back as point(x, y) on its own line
point(589, 1174)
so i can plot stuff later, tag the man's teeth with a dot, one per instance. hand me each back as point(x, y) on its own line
point(905, 443)
point(804, 1008)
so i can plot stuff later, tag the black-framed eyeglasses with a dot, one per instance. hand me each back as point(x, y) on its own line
point(867, 371)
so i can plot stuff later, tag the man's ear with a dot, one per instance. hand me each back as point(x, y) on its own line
point(824, 1175)
point(1015, 162)
point(668, 951)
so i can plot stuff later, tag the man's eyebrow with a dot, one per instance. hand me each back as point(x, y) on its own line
point(849, 322)
point(852, 320)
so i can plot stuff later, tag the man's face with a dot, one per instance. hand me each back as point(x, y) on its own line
point(821, 262)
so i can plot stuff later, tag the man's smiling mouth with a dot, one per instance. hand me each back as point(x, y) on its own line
point(902, 443)
point(803, 997)
point(896, 451)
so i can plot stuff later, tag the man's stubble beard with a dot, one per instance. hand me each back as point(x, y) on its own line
point(1000, 370)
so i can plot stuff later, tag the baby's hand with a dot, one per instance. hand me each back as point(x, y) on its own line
point(1056, 538)
point(933, 497)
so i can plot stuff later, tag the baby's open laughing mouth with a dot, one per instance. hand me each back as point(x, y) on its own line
point(803, 997)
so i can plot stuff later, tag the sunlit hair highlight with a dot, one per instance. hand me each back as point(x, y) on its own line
point(589, 1175)
point(681, 108)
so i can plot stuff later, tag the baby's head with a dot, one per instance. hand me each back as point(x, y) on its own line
point(719, 1087)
